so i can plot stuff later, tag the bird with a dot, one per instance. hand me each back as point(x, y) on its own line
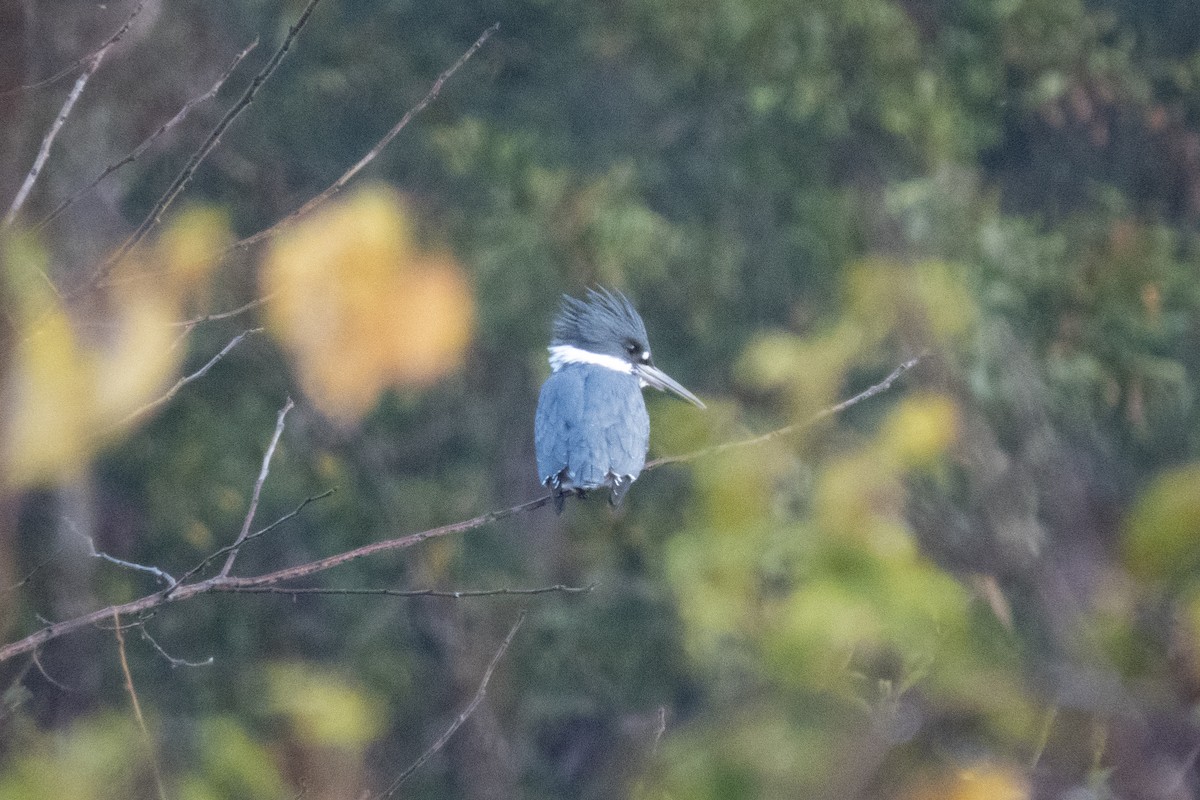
point(591, 430)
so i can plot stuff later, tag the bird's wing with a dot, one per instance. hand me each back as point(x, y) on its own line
point(555, 427)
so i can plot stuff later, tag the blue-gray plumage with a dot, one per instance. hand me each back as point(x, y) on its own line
point(592, 430)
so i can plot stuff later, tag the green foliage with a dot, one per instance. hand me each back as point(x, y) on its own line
point(322, 709)
point(1164, 527)
point(229, 763)
point(95, 758)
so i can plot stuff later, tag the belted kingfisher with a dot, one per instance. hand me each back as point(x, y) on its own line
point(592, 430)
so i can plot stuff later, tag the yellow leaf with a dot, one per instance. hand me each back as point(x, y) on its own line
point(979, 782)
point(931, 296)
point(190, 247)
point(70, 381)
point(139, 358)
point(949, 307)
point(431, 319)
point(47, 403)
point(359, 309)
point(233, 763)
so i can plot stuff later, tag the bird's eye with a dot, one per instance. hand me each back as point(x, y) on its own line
point(632, 348)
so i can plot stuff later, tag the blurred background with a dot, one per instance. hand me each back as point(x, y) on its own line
point(982, 583)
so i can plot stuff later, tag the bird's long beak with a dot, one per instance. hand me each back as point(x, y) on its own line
point(653, 376)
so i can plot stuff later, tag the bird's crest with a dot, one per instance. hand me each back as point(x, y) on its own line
point(597, 323)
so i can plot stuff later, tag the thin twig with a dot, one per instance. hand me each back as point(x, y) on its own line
point(137, 152)
point(48, 140)
point(463, 715)
point(184, 381)
point(226, 584)
point(38, 567)
point(170, 659)
point(137, 708)
point(185, 176)
point(659, 730)
point(253, 304)
point(52, 134)
point(457, 594)
point(161, 575)
point(106, 624)
point(349, 174)
point(1043, 736)
point(788, 430)
point(258, 484)
point(79, 62)
point(211, 557)
point(37, 662)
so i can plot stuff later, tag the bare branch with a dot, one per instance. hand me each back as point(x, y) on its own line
point(37, 662)
point(788, 430)
point(349, 174)
point(136, 153)
point(218, 584)
point(258, 484)
point(79, 62)
point(230, 547)
point(184, 381)
point(458, 594)
point(253, 304)
point(463, 715)
point(185, 176)
point(401, 543)
point(159, 574)
point(52, 134)
point(48, 140)
point(28, 576)
point(659, 730)
point(227, 584)
point(170, 659)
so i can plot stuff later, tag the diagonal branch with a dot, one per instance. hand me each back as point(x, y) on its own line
point(73, 96)
point(159, 574)
point(227, 584)
point(184, 381)
point(188, 324)
point(788, 430)
point(341, 182)
point(258, 484)
point(79, 62)
point(48, 140)
point(184, 178)
point(453, 594)
point(400, 543)
point(137, 152)
point(463, 715)
point(295, 512)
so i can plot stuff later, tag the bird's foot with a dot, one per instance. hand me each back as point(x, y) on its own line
point(560, 497)
point(619, 487)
